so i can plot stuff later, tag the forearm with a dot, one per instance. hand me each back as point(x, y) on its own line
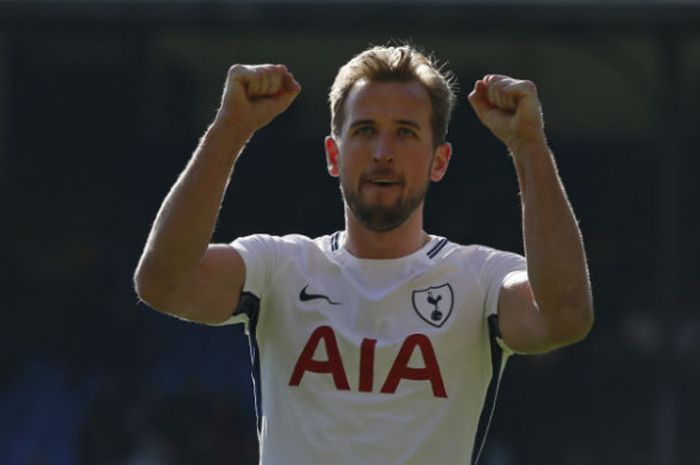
point(556, 259)
point(184, 226)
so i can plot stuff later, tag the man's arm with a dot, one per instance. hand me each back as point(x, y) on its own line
point(550, 306)
point(180, 272)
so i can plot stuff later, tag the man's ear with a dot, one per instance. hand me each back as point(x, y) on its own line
point(441, 159)
point(332, 156)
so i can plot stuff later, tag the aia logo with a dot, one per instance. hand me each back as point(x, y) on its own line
point(434, 304)
point(400, 369)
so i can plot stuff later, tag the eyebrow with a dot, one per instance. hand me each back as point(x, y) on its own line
point(361, 122)
point(407, 122)
point(401, 122)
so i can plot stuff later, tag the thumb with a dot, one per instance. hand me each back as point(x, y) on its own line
point(479, 100)
point(289, 91)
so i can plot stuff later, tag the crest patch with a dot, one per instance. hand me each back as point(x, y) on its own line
point(434, 304)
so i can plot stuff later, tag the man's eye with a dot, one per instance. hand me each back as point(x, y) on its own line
point(407, 132)
point(365, 130)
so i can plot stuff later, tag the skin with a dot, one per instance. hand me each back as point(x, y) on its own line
point(180, 272)
point(386, 138)
point(551, 305)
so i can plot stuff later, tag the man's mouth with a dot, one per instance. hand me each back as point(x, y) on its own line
point(383, 182)
point(383, 179)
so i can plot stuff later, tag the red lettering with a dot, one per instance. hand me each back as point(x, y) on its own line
point(367, 364)
point(334, 364)
point(400, 370)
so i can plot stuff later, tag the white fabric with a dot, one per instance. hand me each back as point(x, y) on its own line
point(387, 301)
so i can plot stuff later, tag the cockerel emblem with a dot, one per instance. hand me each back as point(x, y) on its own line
point(434, 304)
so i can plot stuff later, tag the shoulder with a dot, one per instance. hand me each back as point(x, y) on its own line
point(273, 240)
point(281, 245)
point(481, 261)
point(268, 257)
point(472, 254)
point(478, 254)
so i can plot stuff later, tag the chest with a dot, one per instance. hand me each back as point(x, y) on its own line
point(323, 326)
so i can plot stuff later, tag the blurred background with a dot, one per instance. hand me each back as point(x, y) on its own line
point(102, 102)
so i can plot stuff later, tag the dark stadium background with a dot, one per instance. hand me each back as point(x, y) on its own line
point(102, 103)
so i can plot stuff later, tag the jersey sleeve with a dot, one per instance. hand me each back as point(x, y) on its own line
point(260, 254)
point(497, 265)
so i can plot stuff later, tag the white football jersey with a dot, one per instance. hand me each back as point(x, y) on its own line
point(372, 362)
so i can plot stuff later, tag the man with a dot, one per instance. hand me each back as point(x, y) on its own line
point(380, 344)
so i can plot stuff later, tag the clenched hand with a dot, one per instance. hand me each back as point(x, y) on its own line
point(510, 108)
point(255, 94)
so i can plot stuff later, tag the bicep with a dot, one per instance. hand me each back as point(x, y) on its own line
point(520, 322)
point(211, 294)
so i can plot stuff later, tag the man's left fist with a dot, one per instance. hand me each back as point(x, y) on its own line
point(510, 108)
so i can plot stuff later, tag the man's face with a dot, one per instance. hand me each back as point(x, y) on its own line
point(385, 156)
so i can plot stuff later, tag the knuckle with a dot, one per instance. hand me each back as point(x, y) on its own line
point(236, 69)
point(266, 68)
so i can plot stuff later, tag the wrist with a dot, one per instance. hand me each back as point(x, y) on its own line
point(223, 142)
point(524, 147)
point(224, 126)
point(534, 162)
point(224, 132)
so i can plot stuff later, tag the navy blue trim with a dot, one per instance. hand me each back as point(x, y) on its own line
point(255, 376)
point(249, 304)
point(492, 392)
point(334, 241)
point(438, 247)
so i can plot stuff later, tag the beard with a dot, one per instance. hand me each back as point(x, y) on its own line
point(382, 218)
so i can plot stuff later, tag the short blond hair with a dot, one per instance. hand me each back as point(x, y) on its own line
point(402, 63)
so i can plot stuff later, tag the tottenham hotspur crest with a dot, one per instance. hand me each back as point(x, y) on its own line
point(434, 305)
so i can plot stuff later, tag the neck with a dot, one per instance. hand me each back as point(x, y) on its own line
point(399, 242)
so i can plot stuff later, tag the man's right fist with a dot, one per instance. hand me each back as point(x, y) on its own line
point(255, 94)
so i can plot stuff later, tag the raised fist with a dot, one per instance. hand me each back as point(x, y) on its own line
point(510, 108)
point(255, 94)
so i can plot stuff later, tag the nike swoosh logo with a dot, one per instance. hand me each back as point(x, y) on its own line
point(305, 297)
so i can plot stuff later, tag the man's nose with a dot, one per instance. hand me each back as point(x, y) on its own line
point(384, 149)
